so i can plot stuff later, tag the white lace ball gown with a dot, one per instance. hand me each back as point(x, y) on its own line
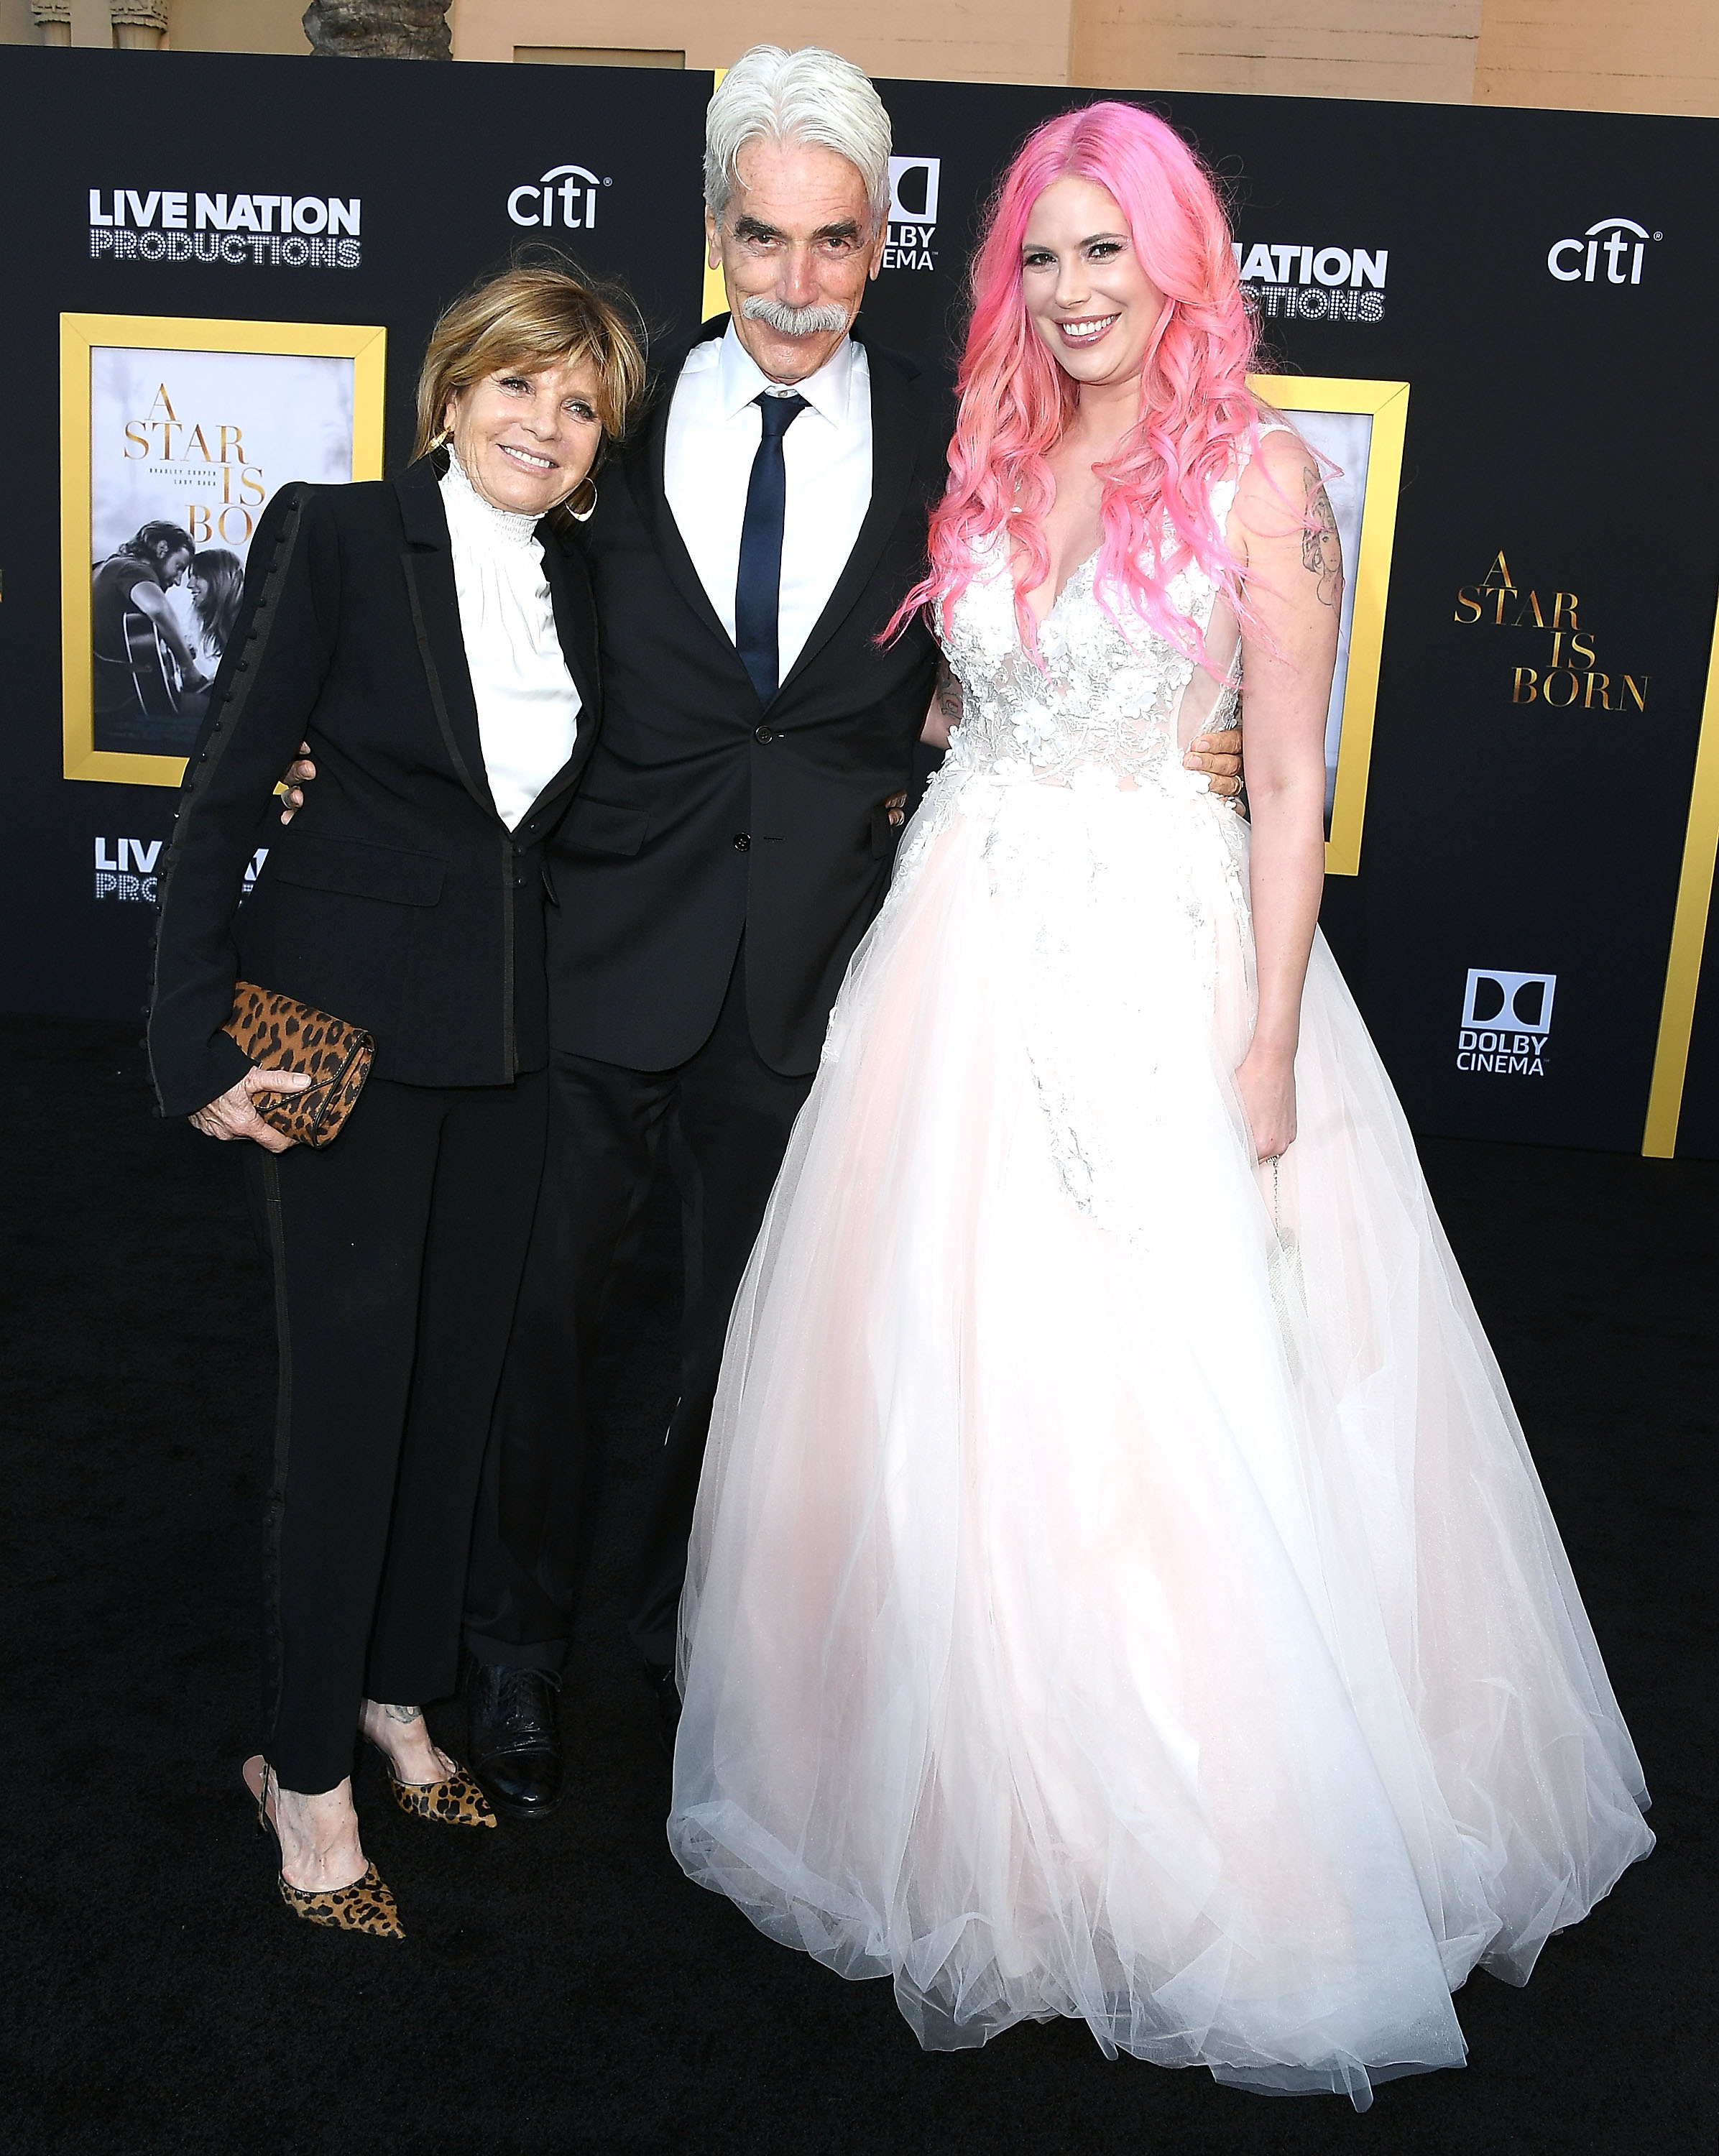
point(1119, 1587)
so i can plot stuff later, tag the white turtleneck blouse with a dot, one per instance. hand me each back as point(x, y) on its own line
point(528, 709)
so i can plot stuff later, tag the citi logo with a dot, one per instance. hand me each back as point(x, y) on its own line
point(1619, 238)
point(570, 188)
point(1506, 1021)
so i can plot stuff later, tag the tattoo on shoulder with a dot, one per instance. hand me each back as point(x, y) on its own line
point(1322, 549)
point(949, 699)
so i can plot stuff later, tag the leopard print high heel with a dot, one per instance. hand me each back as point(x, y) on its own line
point(365, 1906)
point(456, 1801)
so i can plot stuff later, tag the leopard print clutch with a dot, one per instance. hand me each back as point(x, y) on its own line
point(279, 1033)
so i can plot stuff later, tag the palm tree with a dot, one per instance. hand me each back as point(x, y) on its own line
point(379, 29)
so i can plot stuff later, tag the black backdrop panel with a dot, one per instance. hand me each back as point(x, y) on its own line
point(433, 154)
point(1500, 835)
point(1553, 448)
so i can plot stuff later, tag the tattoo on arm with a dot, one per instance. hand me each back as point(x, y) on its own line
point(1322, 549)
point(949, 699)
point(403, 1713)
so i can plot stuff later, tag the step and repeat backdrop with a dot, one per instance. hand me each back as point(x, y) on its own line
point(1495, 325)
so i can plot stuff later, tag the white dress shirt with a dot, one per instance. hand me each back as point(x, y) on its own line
point(713, 433)
point(528, 709)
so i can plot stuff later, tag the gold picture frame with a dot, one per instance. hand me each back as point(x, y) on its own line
point(1387, 404)
point(1689, 932)
point(713, 293)
point(81, 336)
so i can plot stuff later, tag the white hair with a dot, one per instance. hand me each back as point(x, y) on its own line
point(811, 96)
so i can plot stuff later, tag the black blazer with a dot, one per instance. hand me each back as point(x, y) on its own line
point(703, 816)
point(397, 898)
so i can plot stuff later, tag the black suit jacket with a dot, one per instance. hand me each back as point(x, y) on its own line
point(397, 898)
point(705, 816)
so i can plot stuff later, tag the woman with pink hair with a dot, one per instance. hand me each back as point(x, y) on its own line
point(1044, 1650)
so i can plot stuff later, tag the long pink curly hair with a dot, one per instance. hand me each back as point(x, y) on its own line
point(1196, 410)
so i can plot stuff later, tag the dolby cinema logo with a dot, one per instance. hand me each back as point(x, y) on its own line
point(914, 184)
point(1506, 1023)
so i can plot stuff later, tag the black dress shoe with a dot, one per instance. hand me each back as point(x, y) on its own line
point(515, 1746)
point(660, 1678)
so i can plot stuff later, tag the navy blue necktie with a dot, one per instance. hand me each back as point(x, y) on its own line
point(757, 587)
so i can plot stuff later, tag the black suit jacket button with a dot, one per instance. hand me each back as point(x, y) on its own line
point(762, 735)
point(742, 842)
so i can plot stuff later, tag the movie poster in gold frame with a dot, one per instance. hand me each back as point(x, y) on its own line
point(1357, 428)
point(175, 433)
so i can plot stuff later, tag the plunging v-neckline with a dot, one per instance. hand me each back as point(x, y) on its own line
point(1084, 562)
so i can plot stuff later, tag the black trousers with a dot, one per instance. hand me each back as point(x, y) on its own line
point(396, 1256)
point(723, 1117)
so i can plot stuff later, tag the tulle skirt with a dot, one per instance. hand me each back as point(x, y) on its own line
point(1119, 1587)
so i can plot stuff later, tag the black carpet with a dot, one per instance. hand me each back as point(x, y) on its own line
point(562, 1987)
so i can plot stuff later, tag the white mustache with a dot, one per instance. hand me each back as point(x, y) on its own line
point(795, 322)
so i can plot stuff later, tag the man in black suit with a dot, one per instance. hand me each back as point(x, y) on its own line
point(731, 843)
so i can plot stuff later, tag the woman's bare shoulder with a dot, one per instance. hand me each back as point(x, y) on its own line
point(1280, 482)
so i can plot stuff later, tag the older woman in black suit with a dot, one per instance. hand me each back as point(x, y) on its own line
point(433, 640)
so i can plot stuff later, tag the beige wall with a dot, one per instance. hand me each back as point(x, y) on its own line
point(1416, 49)
point(251, 25)
point(965, 40)
point(1600, 55)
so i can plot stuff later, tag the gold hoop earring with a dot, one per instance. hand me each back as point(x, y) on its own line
point(587, 486)
point(441, 441)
